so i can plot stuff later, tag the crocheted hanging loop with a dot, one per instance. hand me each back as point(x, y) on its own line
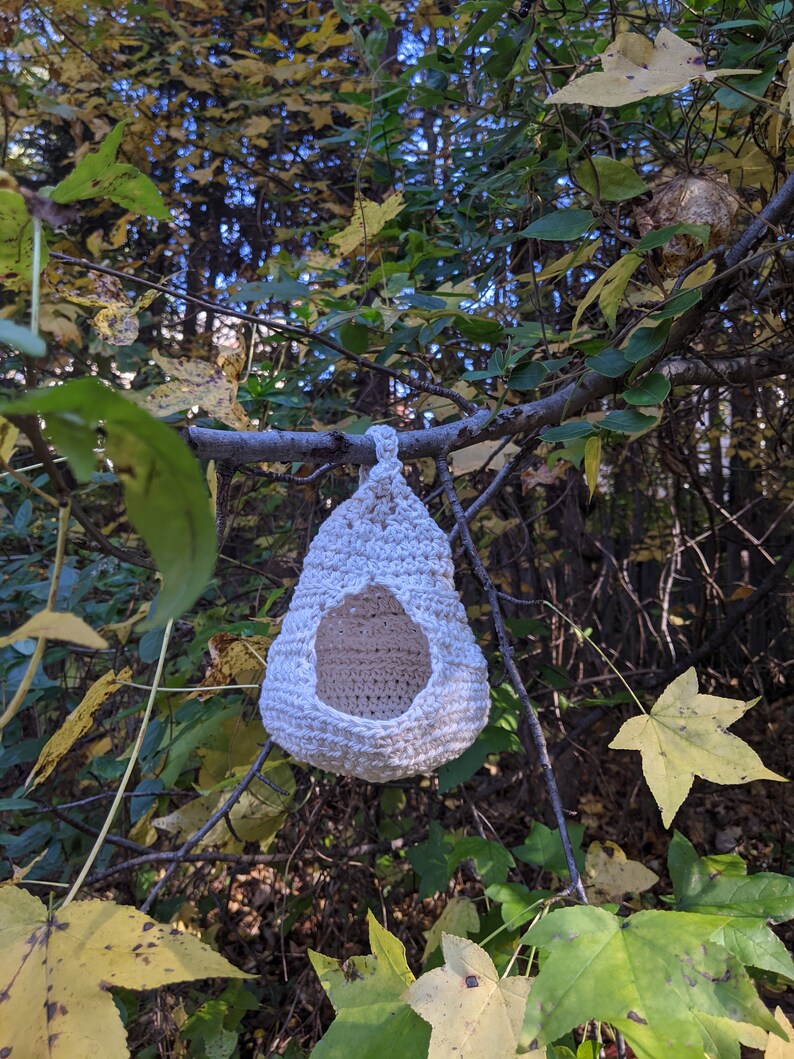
point(375, 672)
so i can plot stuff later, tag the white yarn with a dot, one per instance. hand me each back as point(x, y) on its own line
point(375, 672)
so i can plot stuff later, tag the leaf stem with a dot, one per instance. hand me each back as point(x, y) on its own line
point(11, 710)
point(585, 636)
point(125, 779)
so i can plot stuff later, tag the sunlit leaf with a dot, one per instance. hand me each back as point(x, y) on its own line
point(685, 735)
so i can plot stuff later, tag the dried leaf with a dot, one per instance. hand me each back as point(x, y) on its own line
point(367, 221)
point(75, 726)
point(633, 69)
point(56, 625)
point(608, 874)
point(777, 1048)
point(201, 383)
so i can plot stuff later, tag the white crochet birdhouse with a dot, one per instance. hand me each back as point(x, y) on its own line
point(375, 672)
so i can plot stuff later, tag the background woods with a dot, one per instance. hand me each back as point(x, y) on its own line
point(556, 253)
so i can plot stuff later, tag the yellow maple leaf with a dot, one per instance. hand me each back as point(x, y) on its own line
point(75, 725)
point(633, 68)
point(56, 971)
point(473, 1012)
point(609, 874)
point(685, 736)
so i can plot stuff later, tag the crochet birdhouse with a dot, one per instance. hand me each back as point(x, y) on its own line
point(375, 672)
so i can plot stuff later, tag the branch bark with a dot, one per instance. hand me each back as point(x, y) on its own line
point(288, 446)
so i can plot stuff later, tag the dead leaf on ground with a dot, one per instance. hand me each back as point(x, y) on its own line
point(609, 874)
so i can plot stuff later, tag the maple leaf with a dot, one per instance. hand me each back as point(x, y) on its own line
point(652, 976)
point(472, 1011)
point(372, 1021)
point(633, 68)
point(685, 736)
point(56, 971)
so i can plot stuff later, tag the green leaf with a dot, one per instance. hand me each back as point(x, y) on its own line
point(528, 376)
point(560, 226)
point(165, 493)
point(678, 305)
point(610, 362)
point(644, 341)
point(543, 847)
point(430, 860)
point(519, 904)
point(568, 432)
point(491, 740)
point(372, 1021)
point(22, 338)
point(355, 338)
point(649, 976)
point(651, 390)
point(16, 237)
point(627, 421)
point(99, 175)
point(751, 902)
point(491, 860)
point(609, 180)
point(660, 236)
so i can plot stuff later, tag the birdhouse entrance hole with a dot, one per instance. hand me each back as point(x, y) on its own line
point(372, 659)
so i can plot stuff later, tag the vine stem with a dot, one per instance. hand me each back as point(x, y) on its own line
point(125, 779)
point(580, 632)
point(506, 649)
point(11, 710)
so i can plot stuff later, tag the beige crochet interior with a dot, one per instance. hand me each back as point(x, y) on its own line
point(372, 659)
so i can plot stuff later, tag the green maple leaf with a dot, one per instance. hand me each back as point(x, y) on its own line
point(652, 976)
point(749, 902)
point(685, 736)
point(372, 1022)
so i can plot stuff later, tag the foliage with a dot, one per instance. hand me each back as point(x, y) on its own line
point(553, 241)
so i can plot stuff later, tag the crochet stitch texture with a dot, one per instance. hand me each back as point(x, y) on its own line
point(375, 672)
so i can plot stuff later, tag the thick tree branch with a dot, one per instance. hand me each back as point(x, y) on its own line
point(288, 446)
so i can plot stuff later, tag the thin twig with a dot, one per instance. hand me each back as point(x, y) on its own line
point(194, 839)
point(515, 678)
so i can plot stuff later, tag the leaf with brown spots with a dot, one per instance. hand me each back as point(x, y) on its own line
point(472, 1010)
point(56, 972)
point(685, 735)
point(652, 975)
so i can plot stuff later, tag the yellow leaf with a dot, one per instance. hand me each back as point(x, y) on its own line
point(56, 972)
point(368, 219)
point(122, 629)
point(8, 439)
point(471, 459)
point(790, 80)
point(473, 1013)
point(459, 918)
point(235, 660)
point(592, 462)
point(609, 289)
point(685, 736)
point(75, 726)
point(633, 69)
point(197, 382)
point(256, 816)
point(56, 625)
point(575, 259)
point(608, 874)
point(777, 1048)
point(117, 325)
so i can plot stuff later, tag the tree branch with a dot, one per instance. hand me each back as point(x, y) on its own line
point(288, 446)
